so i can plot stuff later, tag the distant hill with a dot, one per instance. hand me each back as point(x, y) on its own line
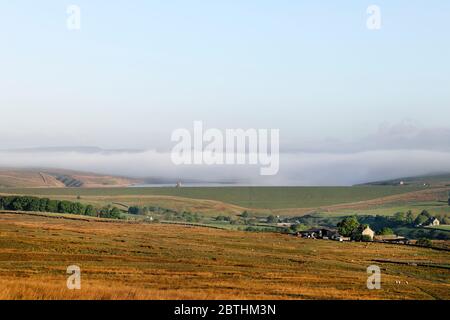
point(80, 149)
point(432, 180)
point(58, 178)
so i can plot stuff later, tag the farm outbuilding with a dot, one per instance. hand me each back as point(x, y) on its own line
point(368, 232)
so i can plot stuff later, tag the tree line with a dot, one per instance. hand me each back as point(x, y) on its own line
point(27, 203)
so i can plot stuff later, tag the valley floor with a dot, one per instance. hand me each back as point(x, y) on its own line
point(153, 261)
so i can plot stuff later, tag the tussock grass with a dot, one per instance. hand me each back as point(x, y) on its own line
point(139, 261)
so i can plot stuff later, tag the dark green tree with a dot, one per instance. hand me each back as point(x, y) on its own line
point(400, 217)
point(347, 226)
point(385, 231)
point(134, 210)
point(43, 203)
point(423, 217)
point(90, 211)
point(64, 206)
point(52, 206)
point(245, 214)
point(409, 217)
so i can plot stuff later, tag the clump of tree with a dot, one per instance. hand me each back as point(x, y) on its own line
point(27, 203)
point(110, 212)
point(348, 226)
point(357, 233)
point(402, 218)
point(223, 218)
point(423, 217)
point(299, 227)
point(138, 210)
point(385, 231)
point(245, 214)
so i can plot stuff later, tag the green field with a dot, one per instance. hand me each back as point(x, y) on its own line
point(445, 227)
point(250, 197)
point(434, 208)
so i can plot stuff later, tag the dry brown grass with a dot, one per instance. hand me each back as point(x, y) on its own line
point(27, 178)
point(35, 178)
point(138, 261)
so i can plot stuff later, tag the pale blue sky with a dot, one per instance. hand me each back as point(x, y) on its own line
point(139, 69)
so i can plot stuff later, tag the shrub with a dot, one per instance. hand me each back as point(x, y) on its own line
point(134, 210)
point(424, 242)
point(245, 214)
point(385, 231)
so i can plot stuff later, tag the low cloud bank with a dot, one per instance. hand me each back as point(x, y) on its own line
point(296, 168)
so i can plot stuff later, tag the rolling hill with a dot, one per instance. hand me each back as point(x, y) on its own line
point(434, 180)
point(58, 178)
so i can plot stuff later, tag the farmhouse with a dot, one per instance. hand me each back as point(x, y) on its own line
point(363, 232)
point(432, 222)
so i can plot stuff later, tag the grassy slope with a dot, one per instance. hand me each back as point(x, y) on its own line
point(250, 197)
point(27, 178)
point(434, 180)
point(125, 261)
point(308, 199)
point(45, 178)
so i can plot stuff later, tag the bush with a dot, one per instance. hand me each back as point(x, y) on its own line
point(299, 227)
point(134, 210)
point(385, 231)
point(423, 217)
point(223, 218)
point(245, 214)
point(424, 242)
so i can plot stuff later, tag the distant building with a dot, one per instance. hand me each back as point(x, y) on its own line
point(340, 238)
point(391, 238)
point(432, 222)
point(318, 233)
point(368, 232)
point(284, 224)
point(402, 183)
point(178, 185)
